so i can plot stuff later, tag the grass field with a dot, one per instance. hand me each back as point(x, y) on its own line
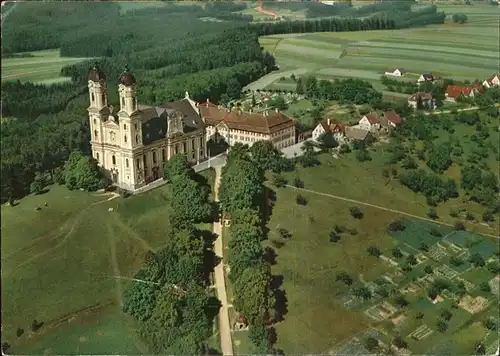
point(63, 259)
point(445, 49)
point(44, 68)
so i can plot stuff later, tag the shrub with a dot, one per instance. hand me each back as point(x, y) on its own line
point(334, 236)
point(301, 200)
point(340, 229)
point(279, 181)
point(459, 226)
point(432, 213)
point(356, 213)
point(19, 332)
point(485, 287)
point(353, 231)
point(428, 269)
point(298, 183)
point(373, 251)
point(396, 225)
point(344, 148)
point(435, 232)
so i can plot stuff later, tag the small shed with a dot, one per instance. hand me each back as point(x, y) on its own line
point(241, 322)
point(226, 219)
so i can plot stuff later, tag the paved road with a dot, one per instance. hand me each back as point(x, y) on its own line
point(381, 208)
point(220, 282)
point(296, 150)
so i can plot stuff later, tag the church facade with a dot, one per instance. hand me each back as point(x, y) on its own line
point(133, 142)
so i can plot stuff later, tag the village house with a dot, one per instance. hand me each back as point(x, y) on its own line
point(328, 125)
point(426, 77)
point(492, 82)
point(453, 92)
point(369, 122)
point(398, 72)
point(237, 126)
point(357, 134)
point(425, 98)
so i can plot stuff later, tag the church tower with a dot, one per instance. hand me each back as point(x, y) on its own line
point(98, 110)
point(129, 118)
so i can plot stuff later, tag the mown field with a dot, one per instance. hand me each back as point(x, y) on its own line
point(43, 68)
point(468, 51)
point(60, 260)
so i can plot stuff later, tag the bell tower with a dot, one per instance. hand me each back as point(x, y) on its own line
point(98, 110)
point(129, 118)
point(127, 92)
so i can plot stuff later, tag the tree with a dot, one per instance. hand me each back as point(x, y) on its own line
point(477, 260)
point(81, 172)
point(419, 316)
point(327, 140)
point(233, 88)
point(176, 167)
point(485, 287)
point(479, 348)
point(490, 324)
point(300, 200)
point(373, 251)
point(423, 246)
point(446, 314)
point(441, 326)
point(344, 148)
point(344, 277)
point(493, 267)
point(280, 103)
point(245, 249)
point(259, 339)
point(459, 226)
point(400, 300)
point(363, 155)
point(459, 18)
point(139, 301)
point(396, 252)
point(362, 292)
point(279, 181)
point(399, 342)
point(299, 86)
point(356, 213)
point(428, 269)
point(396, 225)
point(252, 295)
point(190, 200)
point(432, 213)
point(488, 216)
point(370, 343)
point(36, 187)
point(264, 154)
point(334, 236)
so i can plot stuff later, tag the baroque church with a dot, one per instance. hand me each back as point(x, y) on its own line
point(133, 143)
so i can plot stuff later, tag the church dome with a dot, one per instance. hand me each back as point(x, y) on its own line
point(127, 78)
point(96, 74)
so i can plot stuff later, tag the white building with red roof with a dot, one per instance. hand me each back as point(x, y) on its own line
point(453, 92)
point(492, 82)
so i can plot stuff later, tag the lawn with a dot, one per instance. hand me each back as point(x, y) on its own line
point(441, 49)
point(43, 68)
point(64, 258)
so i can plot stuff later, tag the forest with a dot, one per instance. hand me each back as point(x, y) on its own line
point(169, 49)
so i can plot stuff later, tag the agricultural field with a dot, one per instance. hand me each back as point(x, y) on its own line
point(43, 68)
point(331, 319)
point(441, 49)
point(59, 266)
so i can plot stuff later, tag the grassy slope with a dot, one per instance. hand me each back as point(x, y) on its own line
point(61, 259)
point(44, 68)
point(442, 49)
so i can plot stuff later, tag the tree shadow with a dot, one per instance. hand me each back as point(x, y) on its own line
point(276, 282)
point(270, 255)
point(281, 305)
point(43, 191)
point(267, 208)
point(213, 352)
point(212, 307)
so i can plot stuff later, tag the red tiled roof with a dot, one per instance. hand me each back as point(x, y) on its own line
point(454, 91)
point(490, 80)
point(393, 117)
point(334, 126)
point(372, 118)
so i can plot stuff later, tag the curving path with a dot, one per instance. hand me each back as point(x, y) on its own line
point(220, 282)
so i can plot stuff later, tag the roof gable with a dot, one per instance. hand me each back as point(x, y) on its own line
point(393, 117)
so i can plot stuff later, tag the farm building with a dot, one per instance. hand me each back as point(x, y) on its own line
point(426, 77)
point(453, 92)
point(357, 134)
point(398, 72)
point(425, 98)
point(494, 81)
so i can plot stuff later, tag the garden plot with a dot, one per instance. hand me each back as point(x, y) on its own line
point(346, 72)
point(381, 311)
point(437, 252)
point(473, 305)
point(494, 285)
point(420, 333)
point(446, 271)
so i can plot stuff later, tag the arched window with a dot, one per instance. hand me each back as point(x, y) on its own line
point(125, 138)
point(94, 122)
point(154, 157)
point(134, 102)
point(136, 138)
point(113, 159)
point(103, 97)
point(97, 156)
point(163, 155)
point(123, 101)
point(95, 133)
point(93, 97)
point(126, 162)
point(138, 163)
point(124, 126)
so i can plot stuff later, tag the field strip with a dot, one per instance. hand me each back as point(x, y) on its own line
point(27, 73)
point(382, 208)
point(270, 78)
point(293, 49)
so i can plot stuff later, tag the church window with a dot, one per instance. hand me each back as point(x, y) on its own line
point(93, 97)
point(135, 126)
point(126, 162)
point(184, 147)
point(134, 102)
point(144, 161)
point(94, 122)
point(125, 138)
point(113, 159)
point(138, 163)
point(163, 154)
point(124, 126)
point(97, 156)
point(154, 157)
point(123, 102)
point(136, 138)
point(95, 133)
point(193, 144)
